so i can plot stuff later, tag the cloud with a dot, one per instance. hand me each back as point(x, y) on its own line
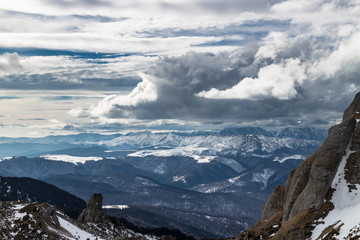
point(277, 80)
point(306, 74)
point(65, 72)
point(217, 62)
point(9, 63)
point(144, 92)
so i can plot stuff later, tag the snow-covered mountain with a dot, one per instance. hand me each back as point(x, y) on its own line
point(230, 141)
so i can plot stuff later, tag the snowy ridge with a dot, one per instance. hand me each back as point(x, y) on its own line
point(5, 158)
point(205, 148)
point(214, 143)
point(71, 159)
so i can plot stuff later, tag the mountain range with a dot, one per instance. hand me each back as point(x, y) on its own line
point(207, 184)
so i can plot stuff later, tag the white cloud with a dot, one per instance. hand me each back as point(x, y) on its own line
point(54, 121)
point(345, 58)
point(145, 91)
point(76, 112)
point(276, 80)
point(272, 44)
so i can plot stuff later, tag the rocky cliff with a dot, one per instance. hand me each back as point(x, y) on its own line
point(317, 194)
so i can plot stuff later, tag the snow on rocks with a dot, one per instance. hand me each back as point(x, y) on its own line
point(346, 205)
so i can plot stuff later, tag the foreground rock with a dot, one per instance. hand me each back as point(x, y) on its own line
point(322, 195)
point(24, 220)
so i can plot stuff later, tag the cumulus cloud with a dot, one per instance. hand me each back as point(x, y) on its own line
point(276, 80)
point(144, 92)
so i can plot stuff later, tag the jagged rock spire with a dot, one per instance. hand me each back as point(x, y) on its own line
point(93, 211)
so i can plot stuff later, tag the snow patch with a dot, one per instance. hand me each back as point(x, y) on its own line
point(5, 158)
point(235, 179)
point(76, 232)
point(181, 151)
point(263, 177)
point(346, 204)
point(121, 207)
point(179, 178)
point(203, 159)
point(71, 159)
point(296, 157)
point(196, 153)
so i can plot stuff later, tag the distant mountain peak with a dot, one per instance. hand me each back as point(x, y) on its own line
point(245, 131)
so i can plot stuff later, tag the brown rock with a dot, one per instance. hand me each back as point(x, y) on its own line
point(274, 204)
point(323, 166)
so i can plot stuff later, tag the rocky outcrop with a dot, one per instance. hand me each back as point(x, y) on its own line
point(93, 213)
point(353, 108)
point(274, 204)
point(291, 211)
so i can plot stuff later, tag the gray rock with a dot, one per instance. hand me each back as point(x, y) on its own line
point(93, 211)
point(274, 203)
point(353, 108)
point(316, 174)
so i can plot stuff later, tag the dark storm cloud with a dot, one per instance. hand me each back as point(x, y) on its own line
point(178, 80)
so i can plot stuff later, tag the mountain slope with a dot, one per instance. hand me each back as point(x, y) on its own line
point(31, 190)
point(321, 197)
point(26, 220)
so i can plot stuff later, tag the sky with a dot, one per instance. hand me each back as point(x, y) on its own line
point(105, 66)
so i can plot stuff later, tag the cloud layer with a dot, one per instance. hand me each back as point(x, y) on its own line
point(306, 74)
point(180, 64)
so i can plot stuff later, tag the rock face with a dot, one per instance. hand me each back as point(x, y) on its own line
point(93, 213)
point(26, 220)
point(293, 211)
